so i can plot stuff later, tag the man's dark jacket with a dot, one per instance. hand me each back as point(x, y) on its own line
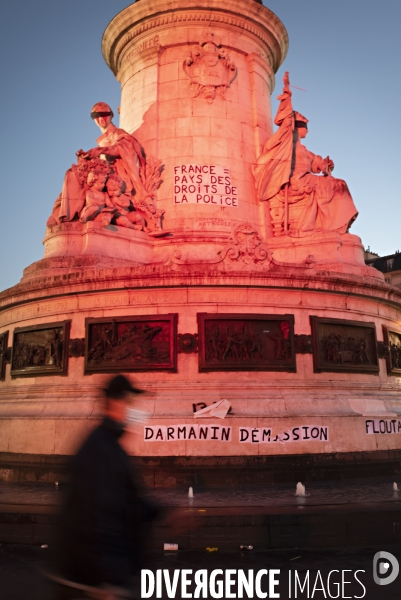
point(102, 517)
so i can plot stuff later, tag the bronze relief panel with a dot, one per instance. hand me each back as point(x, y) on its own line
point(241, 342)
point(393, 357)
point(3, 354)
point(344, 346)
point(40, 350)
point(144, 343)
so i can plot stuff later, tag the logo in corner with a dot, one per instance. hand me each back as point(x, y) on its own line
point(385, 568)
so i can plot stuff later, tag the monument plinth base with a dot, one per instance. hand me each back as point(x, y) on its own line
point(341, 253)
point(76, 238)
point(328, 251)
point(352, 406)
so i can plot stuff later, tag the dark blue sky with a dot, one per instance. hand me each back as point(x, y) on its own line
point(345, 53)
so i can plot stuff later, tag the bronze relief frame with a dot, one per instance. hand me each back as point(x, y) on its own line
point(136, 343)
point(3, 354)
point(244, 342)
point(344, 346)
point(393, 358)
point(40, 350)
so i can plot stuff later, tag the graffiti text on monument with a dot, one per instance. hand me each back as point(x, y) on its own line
point(204, 184)
point(174, 433)
point(222, 433)
point(302, 433)
point(383, 426)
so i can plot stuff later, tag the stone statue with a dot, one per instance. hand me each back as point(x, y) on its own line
point(125, 215)
point(96, 200)
point(118, 153)
point(300, 201)
point(153, 217)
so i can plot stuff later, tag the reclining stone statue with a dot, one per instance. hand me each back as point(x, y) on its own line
point(300, 201)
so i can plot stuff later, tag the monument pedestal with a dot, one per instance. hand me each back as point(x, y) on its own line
point(335, 251)
point(296, 333)
point(76, 238)
point(347, 406)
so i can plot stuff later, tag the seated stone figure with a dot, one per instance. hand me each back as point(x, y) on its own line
point(300, 201)
point(120, 152)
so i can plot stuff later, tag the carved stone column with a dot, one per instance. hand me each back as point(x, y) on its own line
point(196, 83)
point(262, 83)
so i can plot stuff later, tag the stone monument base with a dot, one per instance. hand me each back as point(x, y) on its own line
point(345, 406)
point(119, 243)
point(336, 252)
point(91, 244)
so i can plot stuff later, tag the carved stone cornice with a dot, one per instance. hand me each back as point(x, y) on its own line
point(75, 277)
point(250, 17)
point(197, 18)
point(148, 55)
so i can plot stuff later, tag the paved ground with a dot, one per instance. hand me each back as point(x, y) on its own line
point(20, 577)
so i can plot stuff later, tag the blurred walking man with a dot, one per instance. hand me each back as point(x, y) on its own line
point(100, 529)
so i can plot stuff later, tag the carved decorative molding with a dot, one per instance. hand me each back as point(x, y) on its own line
point(139, 343)
point(246, 249)
point(303, 343)
point(344, 346)
point(123, 46)
point(242, 342)
point(40, 350)
point(77, 347)
point(247, 246)
point(187, 343)
point(144, 45)
point(209, 68)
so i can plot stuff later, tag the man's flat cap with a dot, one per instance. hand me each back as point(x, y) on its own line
point(119, 386)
